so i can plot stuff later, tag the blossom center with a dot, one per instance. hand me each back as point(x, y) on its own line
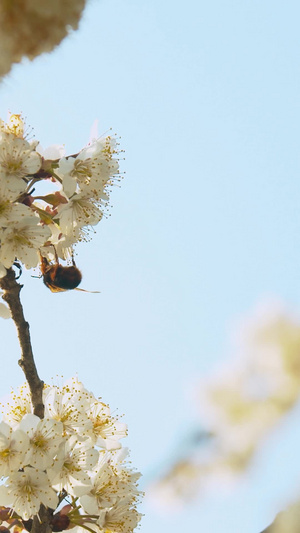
point(5, 453)
point(40, 442)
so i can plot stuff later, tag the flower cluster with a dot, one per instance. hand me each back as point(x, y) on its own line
point(76, 196)
point(239, 405)
point(48, 201)
point(71, 461)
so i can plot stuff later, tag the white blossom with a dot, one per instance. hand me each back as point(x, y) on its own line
point(81, 210)
point(45, 437)
point(68, 408)
point(92, 169)
point(12, 213)
point(17, 406)
point(109, 486)
point(13, 447)
point(106, 430)
point(22, 240)
point(69, 471)
point(25, 491)
point(121, 518)
point(18, 157)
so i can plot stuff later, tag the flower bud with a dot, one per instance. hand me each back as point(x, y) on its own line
point(59, 522)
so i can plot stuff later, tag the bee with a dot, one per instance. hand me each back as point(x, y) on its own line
point(59, 278)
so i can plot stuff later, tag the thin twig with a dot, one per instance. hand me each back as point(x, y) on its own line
point(12, 296)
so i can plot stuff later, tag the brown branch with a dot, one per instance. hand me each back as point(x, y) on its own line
point(12, 296)
point(41, 521)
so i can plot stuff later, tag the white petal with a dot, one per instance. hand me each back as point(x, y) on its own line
point(29, 423)
point(69, 185)
point(3, 271)
point(89, 504)
point(4, 310)
point(5, 498)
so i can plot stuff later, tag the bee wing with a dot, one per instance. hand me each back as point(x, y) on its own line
point(83, 290)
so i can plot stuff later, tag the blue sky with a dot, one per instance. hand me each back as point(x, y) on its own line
point(205, 97)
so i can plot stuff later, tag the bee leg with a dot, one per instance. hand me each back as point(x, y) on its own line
point(55, 254)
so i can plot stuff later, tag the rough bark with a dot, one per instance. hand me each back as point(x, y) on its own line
point(11, 296)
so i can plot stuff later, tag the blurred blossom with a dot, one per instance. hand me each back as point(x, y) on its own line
point(240, 404)
point(30, 27)
point(287, 521)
